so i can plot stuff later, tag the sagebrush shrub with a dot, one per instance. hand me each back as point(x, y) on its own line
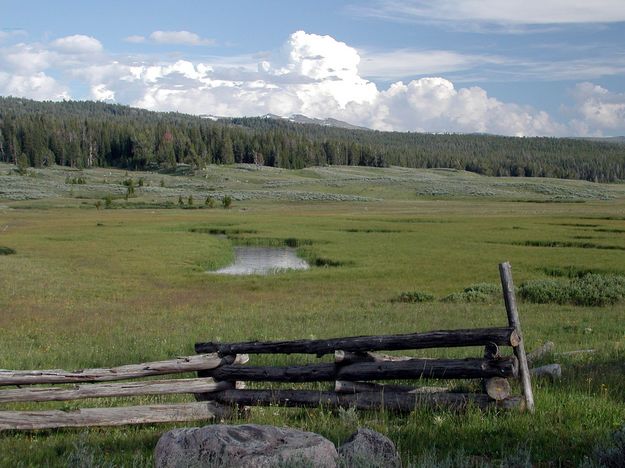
point(588, 290)
point(414, 296)
point(6, 250)
point(480, 292)
point(543, 291)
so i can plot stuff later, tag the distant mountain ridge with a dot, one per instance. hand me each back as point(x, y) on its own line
point(296, 118)
point(327, 122)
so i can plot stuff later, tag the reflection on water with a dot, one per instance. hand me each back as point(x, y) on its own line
point(263, 261)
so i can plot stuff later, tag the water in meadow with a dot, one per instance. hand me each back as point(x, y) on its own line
point(263, 261)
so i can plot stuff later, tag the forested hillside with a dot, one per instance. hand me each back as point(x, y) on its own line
point(87, 134)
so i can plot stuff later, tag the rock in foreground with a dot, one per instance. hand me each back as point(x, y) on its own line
point(367, 448)
point(248, 445)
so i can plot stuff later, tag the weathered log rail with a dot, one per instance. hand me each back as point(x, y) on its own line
point(392, 401)
point(405, 369)
point(27, 420)
point(221, 371)
point(127, 389)
point(131, 371)
point(435, 339)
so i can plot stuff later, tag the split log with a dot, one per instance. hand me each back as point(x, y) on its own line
point(543, 350)
point(505, 273)
point(131, 371)
point(392, 401)
point(553, 371)
point(77, 392)
point(24, 420)
point(411, 369)
point(497, 388)
point(347, 357)
point(434, 339)
point(344, 386)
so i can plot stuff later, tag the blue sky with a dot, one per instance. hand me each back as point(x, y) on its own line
point(549, 67)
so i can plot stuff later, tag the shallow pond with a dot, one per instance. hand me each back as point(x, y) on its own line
point(263, 261)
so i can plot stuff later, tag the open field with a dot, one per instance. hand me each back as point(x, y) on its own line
point(90, 287)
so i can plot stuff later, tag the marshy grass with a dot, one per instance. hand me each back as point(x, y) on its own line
point(222, 231)
point(567, 244)
point(372, 230)
point(572, 271)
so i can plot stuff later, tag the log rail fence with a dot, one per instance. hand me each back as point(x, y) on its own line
point(222, 370)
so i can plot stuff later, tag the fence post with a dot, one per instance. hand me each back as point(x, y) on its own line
point(513, 320)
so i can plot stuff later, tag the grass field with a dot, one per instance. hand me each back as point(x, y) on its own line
point(88, 287)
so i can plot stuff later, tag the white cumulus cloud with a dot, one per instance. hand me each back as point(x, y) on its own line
point(36, 86)
point(178, 38)
point(24, 59)
point(100, 92)
point(434, 105)
point(77, 44)
point(597, 110)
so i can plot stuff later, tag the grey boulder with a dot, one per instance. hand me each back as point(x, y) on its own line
point(248, 445)
point(370, 449)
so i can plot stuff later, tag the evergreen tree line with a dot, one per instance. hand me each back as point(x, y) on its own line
point(88, 134)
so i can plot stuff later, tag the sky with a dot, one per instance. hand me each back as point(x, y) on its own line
point(511, 67)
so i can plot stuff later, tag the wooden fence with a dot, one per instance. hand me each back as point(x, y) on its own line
point(222, 369)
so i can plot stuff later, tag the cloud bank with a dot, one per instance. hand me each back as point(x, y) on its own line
point(311, 74)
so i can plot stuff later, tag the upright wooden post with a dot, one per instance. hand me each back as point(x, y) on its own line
point(513, 320)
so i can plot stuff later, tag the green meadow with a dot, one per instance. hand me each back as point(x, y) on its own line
point(94, 274)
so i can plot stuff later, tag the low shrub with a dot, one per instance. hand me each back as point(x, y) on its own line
point(326, 262)
point(543, 291)
point(75, 180)
point(596, 290)
point(7, 250)
point(592, 289)
point(480, 292)
point(413, 296)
